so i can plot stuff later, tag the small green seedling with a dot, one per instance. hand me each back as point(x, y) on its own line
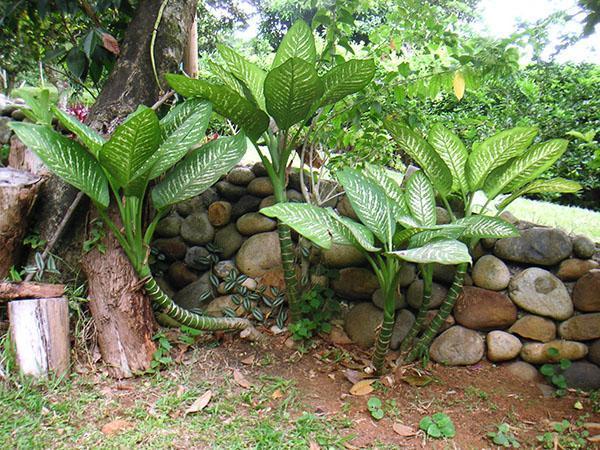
point(554, 372)
point(438, 426)
point(503, 437)
point(565, 436)
point(374, 405)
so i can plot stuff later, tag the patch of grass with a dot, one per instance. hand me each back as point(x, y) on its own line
point(569, 218)
point(268, 415)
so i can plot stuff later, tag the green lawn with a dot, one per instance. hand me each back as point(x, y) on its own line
point(569, 218)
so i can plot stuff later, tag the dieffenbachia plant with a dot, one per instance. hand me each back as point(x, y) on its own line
point(501, 168)
point(141, 149)
point(396, 225)
point(274, 108)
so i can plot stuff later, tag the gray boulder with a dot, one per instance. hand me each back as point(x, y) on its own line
point(502, 346)
point(414, 295)
point(230, 191)
point(190, 296)
point(168, 227)
point(404, 321)
point(5, 131)
point(229, 240)
point(240, 176)
point(537, 353)
point(355, 283)
point(246, 204)
point(340, 256)
point(534, 327)
point(261, 187)
point(259, 254)
point(457, 346)
point(583, 247)
point(542, 246)
point(583, 375)
point(583, 327)
point(362, 322)
point(196, 229)
point(491, 273)
point(194, 258)
point(378, 299)
point(254, 223)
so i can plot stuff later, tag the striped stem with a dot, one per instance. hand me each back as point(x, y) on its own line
point(427, 273)
point(288, 259)
point(388, 280)
point(446, 307)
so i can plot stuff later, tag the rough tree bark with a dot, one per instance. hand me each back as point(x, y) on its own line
point(121, 312)
point(18, 192)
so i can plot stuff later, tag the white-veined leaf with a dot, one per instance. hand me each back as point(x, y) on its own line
point(448, 232)
point(346, 79)
point(66, 158)
point(227, 78)
point(354, 233)
point(483, 227)
point(310, 221)
point(290, 91)
point(131, 145)
point(420, 199)
point(453, 152)
point(447, 252)
point(542, 186)
point(225, 101)
point(248, 73)
point(92, 140)
point(495, 151)
point(199, 170)
point(298, 42)
point(423, 154)
point(524, 168)
point(389, 184)
point(372, 206)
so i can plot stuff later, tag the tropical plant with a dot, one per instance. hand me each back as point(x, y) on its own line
point(392, 219)
point(273, 108)
point(141, 149)
point(438, 426)
point(495, 172)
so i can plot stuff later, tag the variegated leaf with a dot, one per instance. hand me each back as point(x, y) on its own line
point(354, 233)
point(453, 152)
point(524, 168)
point(495, 151)
point(420, 199)
point(227, 78)
point(482, 227)
point(131, 145)
point(423, 154)
point(66, 158)
point(199, 170)
point(448, 232)
point(225, 101)
point(370, 203)
point(389, 185)
point(92, 140)
point(346, 79)
point(543, 186)
point(298, 42)
point(248, 73)
point(290, 90)
point(308, 220)
point(447, 252)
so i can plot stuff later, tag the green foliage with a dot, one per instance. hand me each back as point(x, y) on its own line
point(564, 434)
point(318, 306)
point(375, 408)
point(161, 357)
point(554, 372)
point(504, 437)
point(438, 426)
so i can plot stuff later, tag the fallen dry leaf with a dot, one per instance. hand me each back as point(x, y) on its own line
point(200, 403)
point(116, 426)
point(248, 361)
point(403, 430)
point(240, 379)
point(417, 380)
point(353, 376)
point(180, 390)
point(339, 336)
point(363, 387)
point(276, 394)
point(314, 446)
point(110, 44)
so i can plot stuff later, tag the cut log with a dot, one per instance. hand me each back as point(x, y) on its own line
point(12, 291)
point(40, 335)
point(18, 191)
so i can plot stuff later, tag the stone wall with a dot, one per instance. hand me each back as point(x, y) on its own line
point(522, 296)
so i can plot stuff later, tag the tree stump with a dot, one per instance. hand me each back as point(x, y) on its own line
point(18, 191)
point(40, 335)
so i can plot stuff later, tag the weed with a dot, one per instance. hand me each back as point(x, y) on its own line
point(96, 236)
point(438, 426)
point(504, 437)
point(554, 372)
point(318, 306)
point(375, 408)
point(563, 435)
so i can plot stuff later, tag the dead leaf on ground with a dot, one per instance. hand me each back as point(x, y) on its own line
point(314, 446)
point(363, 387)
point(353, 376)
point(339, 336)
point(403, 430)
point(200, 403)
point(240, 379)
point(276, 394)
point(249, 360)
point(180, 390)
point(116, 426)
point(417, 380)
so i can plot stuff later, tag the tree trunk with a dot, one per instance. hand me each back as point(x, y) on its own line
point(18, 191)
point(40, 335)
point(121, 312)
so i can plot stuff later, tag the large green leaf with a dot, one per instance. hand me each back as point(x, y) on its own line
point(66, 158)
point(225, 101)
point(371, 204)
point(482, 227)
point(228, 79)
point(354, 233)
point(495, 151)
point(245, 71)
point(524, 168)
point(308, 220)
point(199, 170)
point(448, 252)
point(423, 154)
point(448, 232)
point(389, 184)
point(542, 186)
point(290, 90)
point(346, 79)
point(420, 199)
point(92, 140)
point(453, 152)
point(298, 42)
point(131, 145)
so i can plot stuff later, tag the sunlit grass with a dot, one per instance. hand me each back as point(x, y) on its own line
point(569, 218)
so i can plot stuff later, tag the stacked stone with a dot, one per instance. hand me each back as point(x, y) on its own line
point(9, 112)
